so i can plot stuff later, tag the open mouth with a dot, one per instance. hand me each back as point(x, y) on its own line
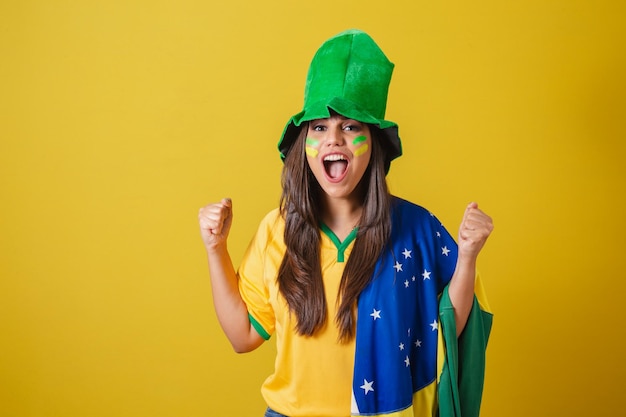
point(335, 165)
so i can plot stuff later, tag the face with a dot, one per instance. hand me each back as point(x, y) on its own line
point(338, 151)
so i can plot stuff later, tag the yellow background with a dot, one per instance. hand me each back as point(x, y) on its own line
point(119, 119)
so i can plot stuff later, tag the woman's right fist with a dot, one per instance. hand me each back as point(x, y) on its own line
point(215, 221)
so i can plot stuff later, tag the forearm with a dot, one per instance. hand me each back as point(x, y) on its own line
point(473, 233)
point(230, 308)
point(461, 290)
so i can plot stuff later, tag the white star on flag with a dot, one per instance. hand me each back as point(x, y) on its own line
point(406, 253)
point(406, 284)
point(434, 325)
point(398, 266)
point(367, 386)
point(375, 314)
point(426, 275)
point(445, 251)
point(407, 361)
point(438, 234)
point(401, 346)
point(418, 343)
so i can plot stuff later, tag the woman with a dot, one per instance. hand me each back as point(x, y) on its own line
point(354, 283)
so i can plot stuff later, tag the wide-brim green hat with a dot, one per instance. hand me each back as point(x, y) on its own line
point(349, 75)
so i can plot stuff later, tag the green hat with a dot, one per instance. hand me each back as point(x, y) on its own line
point(350, 75)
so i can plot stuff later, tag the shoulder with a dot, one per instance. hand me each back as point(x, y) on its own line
point(405, 208)
point(272, 225)
point(272, 217)
point(408, 217)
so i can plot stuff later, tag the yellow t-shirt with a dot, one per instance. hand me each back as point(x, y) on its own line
point(313, 375)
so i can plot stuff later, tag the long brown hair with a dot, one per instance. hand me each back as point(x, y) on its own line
point(300, 275)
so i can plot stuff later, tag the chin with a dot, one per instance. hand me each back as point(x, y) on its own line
point(335, 193)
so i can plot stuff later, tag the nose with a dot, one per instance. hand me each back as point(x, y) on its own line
point(335, 136)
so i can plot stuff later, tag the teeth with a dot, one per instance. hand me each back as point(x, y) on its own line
point(334, 157)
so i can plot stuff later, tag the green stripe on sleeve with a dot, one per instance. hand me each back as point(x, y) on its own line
point(257, 326)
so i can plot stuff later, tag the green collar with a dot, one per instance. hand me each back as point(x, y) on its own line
point(341, 246)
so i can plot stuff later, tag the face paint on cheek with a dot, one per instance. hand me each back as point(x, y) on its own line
point(312, 152)
point(310, 147)
point(362, 148)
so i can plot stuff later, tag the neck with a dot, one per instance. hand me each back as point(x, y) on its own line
point(341, 215)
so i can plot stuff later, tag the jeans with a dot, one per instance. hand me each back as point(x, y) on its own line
point(271, 413)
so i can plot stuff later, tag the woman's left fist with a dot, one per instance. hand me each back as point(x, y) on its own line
point(474, 231)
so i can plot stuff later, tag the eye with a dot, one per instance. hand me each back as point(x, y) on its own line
point(318, 128)
point(352, 126)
